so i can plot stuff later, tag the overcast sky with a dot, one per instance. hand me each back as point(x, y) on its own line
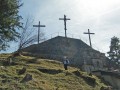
point(100, 16)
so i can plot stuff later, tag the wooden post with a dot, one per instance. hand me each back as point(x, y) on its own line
point(89, 36)
point(38, 29)
point(65, 19)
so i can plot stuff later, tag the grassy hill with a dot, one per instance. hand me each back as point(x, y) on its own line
point(46, 75)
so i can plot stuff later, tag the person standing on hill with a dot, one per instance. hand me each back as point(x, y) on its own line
point(65, 62)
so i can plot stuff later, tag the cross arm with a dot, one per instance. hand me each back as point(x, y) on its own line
point(42, 26)
point(39, 26)
point(64, 19)
point(61, 18)
point(88, 33)
point(67, 19)
point(35, 25)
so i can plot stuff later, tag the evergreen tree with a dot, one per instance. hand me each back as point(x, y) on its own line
point(114, 53)
point(9, 21)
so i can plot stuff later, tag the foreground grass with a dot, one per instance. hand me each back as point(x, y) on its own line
point(56, 78)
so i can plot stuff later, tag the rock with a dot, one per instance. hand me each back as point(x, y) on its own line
point(80, 54)
point(89, 79)
point(90, 74)
point(50, 71)
point(10, 60)
point(2, 67)
point(77, 73)
point(106, 88)
point(22, 71)
point(27, 78)
point(68, 73)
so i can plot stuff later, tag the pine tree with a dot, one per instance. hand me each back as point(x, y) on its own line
point(114, 53)
point(9, 21)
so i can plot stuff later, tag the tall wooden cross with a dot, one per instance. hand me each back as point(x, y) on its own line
point(38, 29)
point(89, 36)
point(65, 19)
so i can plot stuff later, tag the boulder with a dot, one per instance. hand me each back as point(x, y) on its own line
point(22, 71)
point(27, 78)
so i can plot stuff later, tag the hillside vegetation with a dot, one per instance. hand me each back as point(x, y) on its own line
point(45, 75)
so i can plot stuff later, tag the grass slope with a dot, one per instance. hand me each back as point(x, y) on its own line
point(46, 75)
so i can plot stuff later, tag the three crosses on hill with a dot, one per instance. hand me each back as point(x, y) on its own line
point(65, 28)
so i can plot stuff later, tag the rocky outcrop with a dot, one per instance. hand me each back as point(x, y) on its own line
point(78, 52)
point(113, 78)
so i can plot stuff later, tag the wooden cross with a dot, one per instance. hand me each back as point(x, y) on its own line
point(38, 29)
point(65, 19)
point(89, 36)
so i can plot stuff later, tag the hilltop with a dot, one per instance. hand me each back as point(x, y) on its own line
point(46, 75)
point(78, 52)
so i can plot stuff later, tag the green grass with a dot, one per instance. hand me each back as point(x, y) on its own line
point(65, 80)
